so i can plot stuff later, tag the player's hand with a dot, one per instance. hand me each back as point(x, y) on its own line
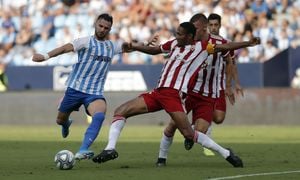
point(239, 90)
point(153, 40)
point(254, 41)
point(38, 57)
point(230, 95)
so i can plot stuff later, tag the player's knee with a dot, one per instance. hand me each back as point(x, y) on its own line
point(201, 129)
point(120, 111)
point(219, 119)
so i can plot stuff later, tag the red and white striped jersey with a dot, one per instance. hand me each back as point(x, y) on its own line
point(182, 63)
point(211, 77)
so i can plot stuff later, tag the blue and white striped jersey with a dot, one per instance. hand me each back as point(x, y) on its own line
point(88, 75)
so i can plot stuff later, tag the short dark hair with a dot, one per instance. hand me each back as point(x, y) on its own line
point(214, 16)
point(106, 17)
point(199, 17)
point(189, 28)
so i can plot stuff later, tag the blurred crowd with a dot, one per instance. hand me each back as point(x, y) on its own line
point(28, 26)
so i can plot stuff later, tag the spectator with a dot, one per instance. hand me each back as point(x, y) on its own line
point(23, 24)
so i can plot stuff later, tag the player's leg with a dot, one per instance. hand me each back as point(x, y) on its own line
point(208, 152)
point(65, 122)
point(202, 108)
point(96, 109)
point(128, 109)
point(165, 143)
point(183, 125)
point(69, 103)
point(200, 125)
point(218, 117)
point(220, 109)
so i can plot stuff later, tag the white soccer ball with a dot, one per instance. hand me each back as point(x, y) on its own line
point(64, 160)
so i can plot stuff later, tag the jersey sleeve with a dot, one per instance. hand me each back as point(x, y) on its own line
point(166, 47)
point(81, 43)
point(117, 45)
point(225, 53)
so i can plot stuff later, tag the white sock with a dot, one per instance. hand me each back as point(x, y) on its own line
point(207, 142)
point(165, 144)
point(114, 132)
point(209, 130)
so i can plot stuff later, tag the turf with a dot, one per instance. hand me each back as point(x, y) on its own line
point(27, 152)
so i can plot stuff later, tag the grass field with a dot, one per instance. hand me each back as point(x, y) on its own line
point(268, 152)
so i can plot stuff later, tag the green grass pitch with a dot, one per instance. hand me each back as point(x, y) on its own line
point(268, 152)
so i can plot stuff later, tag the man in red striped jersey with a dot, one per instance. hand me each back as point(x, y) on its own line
point(223, 88)
point(185, 58)
point(203, 91)
point(214, 25)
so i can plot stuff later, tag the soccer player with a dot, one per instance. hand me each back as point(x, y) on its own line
point(214, 25)
point(86, 81)
point(203, 91)
point(185, 58)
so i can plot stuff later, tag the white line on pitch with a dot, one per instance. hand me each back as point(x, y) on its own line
point(257, 174)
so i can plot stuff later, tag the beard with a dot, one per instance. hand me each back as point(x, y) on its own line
point(100, 36)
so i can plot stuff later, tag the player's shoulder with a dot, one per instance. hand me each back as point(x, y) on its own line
point(172, 43)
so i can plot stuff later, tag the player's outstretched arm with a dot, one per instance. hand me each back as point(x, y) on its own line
point(232, 45)
point(55, 52)
point(153, 50)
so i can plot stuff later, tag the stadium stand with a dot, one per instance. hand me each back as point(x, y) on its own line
point(27, 26)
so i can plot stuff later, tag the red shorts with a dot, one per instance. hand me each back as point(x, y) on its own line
point(201, 107)
point(221, 102)
point(171, 100)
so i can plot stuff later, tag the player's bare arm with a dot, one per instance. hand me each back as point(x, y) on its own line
point(55, 52)
point(153, 50)
point(237, 85)
point(232, 45)
point(229, 77)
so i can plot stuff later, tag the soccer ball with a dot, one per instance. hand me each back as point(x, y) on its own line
point(64, 160)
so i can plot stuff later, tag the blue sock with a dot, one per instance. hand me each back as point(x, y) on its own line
point(92, 131)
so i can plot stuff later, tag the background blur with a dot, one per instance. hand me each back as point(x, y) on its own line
point(270, 72)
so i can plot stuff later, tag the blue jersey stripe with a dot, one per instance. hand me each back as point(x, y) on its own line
point(82, 64)
point(86, 74)
point(94, 70)
point(94, 59)
point(78, 66)
point(104, 78)
point(75, 68)
point(112, 49)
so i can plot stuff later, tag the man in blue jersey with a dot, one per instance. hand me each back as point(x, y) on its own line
point(85, 83)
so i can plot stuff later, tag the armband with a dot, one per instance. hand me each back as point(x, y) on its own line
point(210, 48)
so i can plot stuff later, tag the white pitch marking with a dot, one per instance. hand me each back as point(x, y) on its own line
point(257, 174)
